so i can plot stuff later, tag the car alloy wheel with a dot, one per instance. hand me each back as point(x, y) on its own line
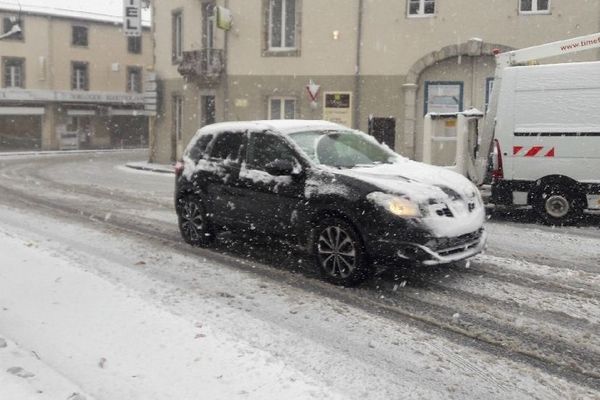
point(337, 252)
point(193, 223)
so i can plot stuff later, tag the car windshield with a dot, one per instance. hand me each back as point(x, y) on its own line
point(342, 149)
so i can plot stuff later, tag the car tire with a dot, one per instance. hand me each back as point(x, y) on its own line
point(557, 205)
point(339, 253)
point(194, 224)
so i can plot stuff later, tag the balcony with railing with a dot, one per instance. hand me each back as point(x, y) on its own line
point(204, 67)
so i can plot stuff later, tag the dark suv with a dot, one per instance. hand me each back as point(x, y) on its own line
point(338, 192)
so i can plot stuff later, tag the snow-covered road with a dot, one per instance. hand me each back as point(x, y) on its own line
point(97, 285)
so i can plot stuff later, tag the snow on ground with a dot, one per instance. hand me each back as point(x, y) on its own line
point(114, 343)
point(23, 376)
point(120, 318)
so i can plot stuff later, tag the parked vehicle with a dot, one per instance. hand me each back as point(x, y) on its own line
point(543, 125)
point(547, 137)
point(348, 199)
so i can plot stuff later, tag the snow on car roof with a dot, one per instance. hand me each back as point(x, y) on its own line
point(284, 126)
point(105, 11)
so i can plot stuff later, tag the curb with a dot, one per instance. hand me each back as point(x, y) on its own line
point(65, 152)
point(149, 168)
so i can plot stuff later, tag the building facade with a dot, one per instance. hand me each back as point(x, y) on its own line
point(379, 65)
point(71, 80)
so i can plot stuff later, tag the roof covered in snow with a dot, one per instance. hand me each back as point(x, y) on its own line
point(92, 10)
point(280, 125)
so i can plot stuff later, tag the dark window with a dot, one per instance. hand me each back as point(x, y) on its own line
point(228, 146)
point(535, 6)
point(14, 72)
point(13, 24)
point(177, 36)
point(421, 7)
point(199, 150)
point(79, 76)
point(268, 148)
point(80, 36)
point(134, 44)
point(134, 79)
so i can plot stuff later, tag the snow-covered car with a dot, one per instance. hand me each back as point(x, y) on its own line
point(348, 199)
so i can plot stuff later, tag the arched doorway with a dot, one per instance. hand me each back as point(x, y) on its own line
point(454, 77)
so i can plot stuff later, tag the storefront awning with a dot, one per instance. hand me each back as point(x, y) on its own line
point(22, 110)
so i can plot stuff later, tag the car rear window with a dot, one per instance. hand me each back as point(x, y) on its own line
point(199, 149)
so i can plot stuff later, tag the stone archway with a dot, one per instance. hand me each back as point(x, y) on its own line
point(473, 48)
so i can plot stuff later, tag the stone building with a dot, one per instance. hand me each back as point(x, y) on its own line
point(380, 64)
point(70, 78)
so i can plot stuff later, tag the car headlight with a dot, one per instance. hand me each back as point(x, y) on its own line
point(399, 206)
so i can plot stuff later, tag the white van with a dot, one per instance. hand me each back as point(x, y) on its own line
point(547, 140)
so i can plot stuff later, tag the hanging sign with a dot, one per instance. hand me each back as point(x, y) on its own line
point(132, 13)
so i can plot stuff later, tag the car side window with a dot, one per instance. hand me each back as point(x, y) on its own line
point(266, 148)
point(228, 146)
point(198, 151)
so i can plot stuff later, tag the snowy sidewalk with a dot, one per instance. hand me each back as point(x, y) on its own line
point(114, 344)
point(25, 377)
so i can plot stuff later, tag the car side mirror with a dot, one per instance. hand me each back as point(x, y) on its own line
point(280, 167)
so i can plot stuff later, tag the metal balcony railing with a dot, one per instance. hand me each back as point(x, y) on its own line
point(204, 66)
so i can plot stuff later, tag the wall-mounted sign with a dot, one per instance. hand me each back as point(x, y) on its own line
point(70, 96)
point(337, 107)
point(224, 18)
point(132, 13)
point(313, 90)
point(151, 94)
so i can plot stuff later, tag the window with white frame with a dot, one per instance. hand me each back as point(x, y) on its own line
point(177, 34)
point(178, 116)
point(282, 108)
point(421, 7)
point(282, 25)
point(79, 76)
point(14, 72)
point(534, 6)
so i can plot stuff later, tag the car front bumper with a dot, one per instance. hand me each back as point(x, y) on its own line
point(436, 251)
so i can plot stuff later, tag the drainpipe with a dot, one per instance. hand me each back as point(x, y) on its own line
point(357, 71)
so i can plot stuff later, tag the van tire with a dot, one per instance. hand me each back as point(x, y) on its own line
point(558, 205)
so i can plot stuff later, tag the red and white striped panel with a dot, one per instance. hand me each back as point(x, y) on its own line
point(533, 151)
